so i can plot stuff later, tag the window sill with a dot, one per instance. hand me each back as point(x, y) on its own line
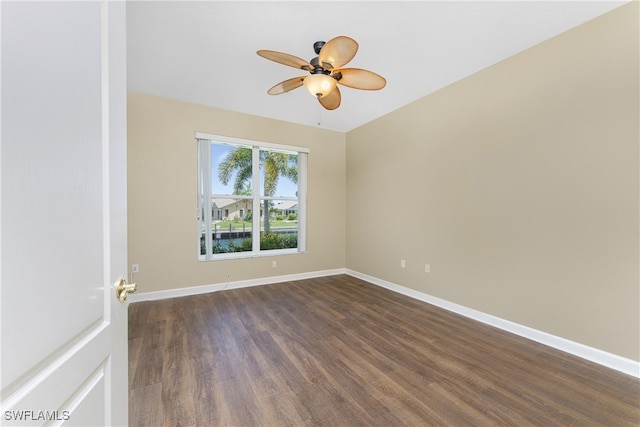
point(247, 255)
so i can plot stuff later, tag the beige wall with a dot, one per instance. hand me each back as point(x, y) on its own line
point(520, 189)
point(162, 199)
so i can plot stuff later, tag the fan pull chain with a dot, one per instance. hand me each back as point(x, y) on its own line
point(319, 123)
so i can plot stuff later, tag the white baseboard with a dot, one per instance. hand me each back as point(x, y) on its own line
point(205, 289)
point(592, 354)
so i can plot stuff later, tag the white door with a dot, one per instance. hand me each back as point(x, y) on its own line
point(63, 213)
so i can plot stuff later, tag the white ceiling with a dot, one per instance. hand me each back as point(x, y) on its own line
point(205, 51)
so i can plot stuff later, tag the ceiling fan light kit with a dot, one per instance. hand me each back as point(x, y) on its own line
point(325, 71)
point(319, 85)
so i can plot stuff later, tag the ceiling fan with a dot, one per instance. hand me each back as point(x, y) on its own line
point(325, 71)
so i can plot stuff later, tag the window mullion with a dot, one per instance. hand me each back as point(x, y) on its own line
point(255, 184)
point(302, 202)
point(205, 177)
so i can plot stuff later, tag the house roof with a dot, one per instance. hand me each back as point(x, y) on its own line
point(222, 203)
point(287, 205)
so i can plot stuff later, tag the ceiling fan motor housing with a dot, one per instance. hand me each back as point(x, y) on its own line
point(317, 68)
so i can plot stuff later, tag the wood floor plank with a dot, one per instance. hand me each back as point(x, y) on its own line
point(337, 351)
point(145, 406)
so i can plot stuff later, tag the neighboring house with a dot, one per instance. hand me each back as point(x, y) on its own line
point(229, 209)
point(286, 208)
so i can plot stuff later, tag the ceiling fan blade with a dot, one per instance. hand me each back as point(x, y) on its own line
point(360, 79)
point(285, 59)
point(337, 52)
point(332, 100)
point(286, 86)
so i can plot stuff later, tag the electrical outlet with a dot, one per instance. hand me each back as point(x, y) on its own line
point(427, 268)
point(274, 264)
point(135, 268)
point(402, 264)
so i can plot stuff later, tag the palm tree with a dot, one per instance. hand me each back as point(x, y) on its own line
point(275, 164)
point(246, 191)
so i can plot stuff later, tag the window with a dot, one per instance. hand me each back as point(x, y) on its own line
point(238, 176)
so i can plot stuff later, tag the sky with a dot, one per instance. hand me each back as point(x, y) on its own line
point(286, 188)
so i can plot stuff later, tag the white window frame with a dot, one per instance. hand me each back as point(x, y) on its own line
point(204, 141)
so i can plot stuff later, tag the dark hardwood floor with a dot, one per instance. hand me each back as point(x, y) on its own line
point(337, 351)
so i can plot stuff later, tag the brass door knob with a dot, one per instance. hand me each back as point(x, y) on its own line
point(123, 289)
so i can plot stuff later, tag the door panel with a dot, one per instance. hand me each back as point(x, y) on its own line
point(63, 213)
